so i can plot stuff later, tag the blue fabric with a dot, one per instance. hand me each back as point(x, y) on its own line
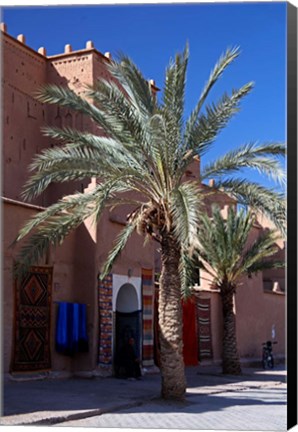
point(71, 330)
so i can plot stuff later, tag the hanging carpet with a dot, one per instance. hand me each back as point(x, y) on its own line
point(31, 347)
point(71, 328)
point(204, 327)
point(190, 345)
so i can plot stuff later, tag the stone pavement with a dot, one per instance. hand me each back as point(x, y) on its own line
point(243, 410)
point(254, 401)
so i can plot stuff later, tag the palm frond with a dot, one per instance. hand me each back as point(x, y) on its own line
point(208, 125)
point(263, 247)
point(65, 97)
point(225, 60)
point(187, 268)
point(265, 265)
point(252, 156)
point(223, 246)
point(53, 232)
point(216, 118)
point(264, 200)
point(60, 173)
point(173, 98)
point(133, 82)
point(129, 122)
point(211, 248)
point(82, 204)
point(186, 208)
point(119, 245)
point(108, 147)
point(63, 205)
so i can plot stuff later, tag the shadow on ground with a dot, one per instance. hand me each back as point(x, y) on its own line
point(77, 394)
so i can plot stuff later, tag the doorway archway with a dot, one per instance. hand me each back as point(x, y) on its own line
point(128, 320)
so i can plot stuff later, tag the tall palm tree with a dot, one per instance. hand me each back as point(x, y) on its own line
point(144, 146)
point(226, 255)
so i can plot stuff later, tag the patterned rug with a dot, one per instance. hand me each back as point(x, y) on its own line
point(31, 350)
point(105, 299)
point(204, 329)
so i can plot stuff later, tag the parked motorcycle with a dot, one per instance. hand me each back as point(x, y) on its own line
point(267, 355)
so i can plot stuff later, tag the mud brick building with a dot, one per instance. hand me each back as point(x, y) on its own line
point(125, 302)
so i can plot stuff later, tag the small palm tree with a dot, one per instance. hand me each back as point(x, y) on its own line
point(226, 255)
point(145, 147)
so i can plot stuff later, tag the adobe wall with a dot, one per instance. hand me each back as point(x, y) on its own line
point(257, 311)
point(23, 72)
point(73, 70)
point(258, 308)
point(13, 218)
point(77, 261)
point(274, 277)
point(73, 281)
point(134, 257)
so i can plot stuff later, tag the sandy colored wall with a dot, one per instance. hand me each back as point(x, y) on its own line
point(23, 72)
point(257, 308)
point(216, 326)
point(74, 280)
point(73, 70)
point(134, 256)
point(12, 219)
point(257, 311)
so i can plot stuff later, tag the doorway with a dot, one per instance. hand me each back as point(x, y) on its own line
point(128, 320)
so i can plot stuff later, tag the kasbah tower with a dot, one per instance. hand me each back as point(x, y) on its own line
point(74, 266)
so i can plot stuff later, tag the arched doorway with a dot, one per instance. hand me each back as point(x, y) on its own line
point(128, 320)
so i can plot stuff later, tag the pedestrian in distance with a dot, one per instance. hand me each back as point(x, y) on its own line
point(130, 360)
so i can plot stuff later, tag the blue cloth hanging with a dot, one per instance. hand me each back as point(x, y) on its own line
point(71, 330)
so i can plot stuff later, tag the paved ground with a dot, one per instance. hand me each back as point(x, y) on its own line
point(254, 401)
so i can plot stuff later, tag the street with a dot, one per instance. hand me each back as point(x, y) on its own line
point(253, 401)
point(246, 407)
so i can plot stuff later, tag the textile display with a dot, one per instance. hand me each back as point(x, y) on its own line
point(156, 329)
point(190, 341)
point(71, 328)
point(105, 303)
point(147, 300)
point(204, 327)
point(31, 347)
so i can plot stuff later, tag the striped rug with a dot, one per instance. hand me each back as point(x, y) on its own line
point(204, 329)
point(147, 299)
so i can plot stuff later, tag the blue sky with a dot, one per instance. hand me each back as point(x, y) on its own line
point(151, 34)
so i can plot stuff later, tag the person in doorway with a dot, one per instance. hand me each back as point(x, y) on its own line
point(130, 360)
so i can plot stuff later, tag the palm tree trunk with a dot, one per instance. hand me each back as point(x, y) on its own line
point(170, 322)
point(231, 361)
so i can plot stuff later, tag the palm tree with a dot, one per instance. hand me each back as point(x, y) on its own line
point(226, 255)
point(143, 146)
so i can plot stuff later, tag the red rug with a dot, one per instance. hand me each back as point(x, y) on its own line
point(190, 340)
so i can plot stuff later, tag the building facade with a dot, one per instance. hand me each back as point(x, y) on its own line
point(66, 284)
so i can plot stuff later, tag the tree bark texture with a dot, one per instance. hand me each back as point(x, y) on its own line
point(170, 322)
point(231, 361)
